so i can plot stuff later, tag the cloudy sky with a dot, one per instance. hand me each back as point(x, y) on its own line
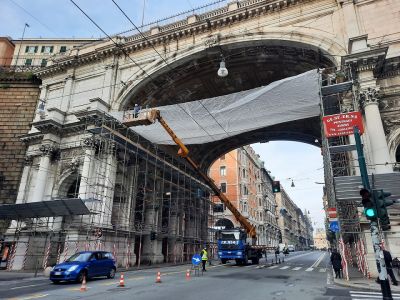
point(61, 19)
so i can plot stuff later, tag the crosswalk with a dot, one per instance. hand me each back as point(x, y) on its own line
point(367, 295)
point(291, 268)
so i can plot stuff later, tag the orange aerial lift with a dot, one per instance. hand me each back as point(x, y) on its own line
point(150, 116)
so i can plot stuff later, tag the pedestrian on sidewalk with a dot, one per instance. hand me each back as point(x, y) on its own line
point(336, 260)
point(204, 258)
point(276, 254)
point(389, 267)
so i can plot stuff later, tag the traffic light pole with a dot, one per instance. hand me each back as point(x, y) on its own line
point(380, 261)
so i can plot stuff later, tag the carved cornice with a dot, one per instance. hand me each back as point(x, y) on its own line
point(367, 60)
point(157, 35)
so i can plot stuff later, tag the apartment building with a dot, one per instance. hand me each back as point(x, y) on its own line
point(241, 175)
point(39, 52)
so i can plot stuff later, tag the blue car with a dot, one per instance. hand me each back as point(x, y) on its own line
point(84, 264)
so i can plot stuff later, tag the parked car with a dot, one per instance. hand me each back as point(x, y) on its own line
point(291, 248)
point(87, 264)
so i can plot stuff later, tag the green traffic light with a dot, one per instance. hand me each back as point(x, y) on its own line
point(370, 212)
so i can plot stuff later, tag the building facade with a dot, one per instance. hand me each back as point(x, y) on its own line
point(320, 241)
point(241, 175)
point(38, 53)
point(295, 226)
point(6, 51)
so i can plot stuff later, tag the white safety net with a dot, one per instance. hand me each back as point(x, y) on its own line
point(217, 118)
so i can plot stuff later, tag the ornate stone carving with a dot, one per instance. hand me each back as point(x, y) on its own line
point(368, 96)
point(389, 125)
point(211, 40)
point(48, 149)
point(28, 160)
point(92, 142)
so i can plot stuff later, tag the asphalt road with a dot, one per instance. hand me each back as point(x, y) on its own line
point(304, 275)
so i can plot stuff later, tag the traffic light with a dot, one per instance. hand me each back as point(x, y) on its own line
point(381, 204)
point(276, 186)
point(369, 205)
point(152, 235)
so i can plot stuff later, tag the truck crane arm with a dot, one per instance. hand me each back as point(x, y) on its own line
point(147, 117)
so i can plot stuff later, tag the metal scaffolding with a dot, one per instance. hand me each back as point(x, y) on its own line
point(146, 206)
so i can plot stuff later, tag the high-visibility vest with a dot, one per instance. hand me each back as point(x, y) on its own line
point(204, 256)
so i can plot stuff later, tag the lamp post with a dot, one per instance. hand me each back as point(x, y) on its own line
point(20, 46)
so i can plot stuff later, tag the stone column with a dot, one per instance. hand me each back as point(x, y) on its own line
point(107, 194)
point(85, 187)
point(43, 172)
point(152, 249)
point(379, 147)
point(172, 237)
point(24, 183)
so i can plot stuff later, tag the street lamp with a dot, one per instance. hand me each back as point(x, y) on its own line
point(22, 39)
point(222, 71)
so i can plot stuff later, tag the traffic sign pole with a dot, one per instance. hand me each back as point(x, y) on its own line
point(380, 261)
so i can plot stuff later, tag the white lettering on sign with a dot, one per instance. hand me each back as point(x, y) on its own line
point(229, 242)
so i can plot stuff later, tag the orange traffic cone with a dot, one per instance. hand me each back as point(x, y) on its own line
point(121, 280)
point(83, 286)
point(158, 278)
point(187, 274)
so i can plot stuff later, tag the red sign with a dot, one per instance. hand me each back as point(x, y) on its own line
point(332, 212)
point(342, 124)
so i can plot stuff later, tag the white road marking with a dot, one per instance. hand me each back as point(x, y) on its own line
point(35, 296)
point(273, 267)
point(284, 268)
point(296, 269)
point(322, 270)
point(25, 286)
point(249, 266)
point(309, 269)
point(357, 295)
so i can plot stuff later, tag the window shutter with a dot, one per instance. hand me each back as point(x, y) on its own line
point(41, 51)
point(36, 49)
point(51, 49)
point(26, 49)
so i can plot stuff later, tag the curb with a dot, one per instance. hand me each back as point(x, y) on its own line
point(361, 286)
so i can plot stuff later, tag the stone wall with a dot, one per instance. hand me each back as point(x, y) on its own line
point(18, 99)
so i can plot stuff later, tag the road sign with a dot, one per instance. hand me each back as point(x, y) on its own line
point(332, 212)
point(334, 226)
point(342, 124)
point(196, 259)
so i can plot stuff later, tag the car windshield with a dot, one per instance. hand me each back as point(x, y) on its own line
point(79, 257)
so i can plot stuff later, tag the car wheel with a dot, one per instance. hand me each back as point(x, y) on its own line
point(223, 261)
point(56, 281)
point(81, 275)
point(111, 274)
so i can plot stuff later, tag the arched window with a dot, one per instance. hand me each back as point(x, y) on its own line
point(398, 154)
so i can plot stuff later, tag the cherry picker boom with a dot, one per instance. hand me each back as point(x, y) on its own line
point(147, 117)
point(150, 116)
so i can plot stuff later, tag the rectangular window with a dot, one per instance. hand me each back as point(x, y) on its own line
point(31, 49)
point(63, 49)
point(222, 171)
point(218, 208)
point(28, 62)
point(43, 63)
point(223, 187)
point(47, 49)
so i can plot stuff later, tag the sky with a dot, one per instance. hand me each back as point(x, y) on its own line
point(61, 19)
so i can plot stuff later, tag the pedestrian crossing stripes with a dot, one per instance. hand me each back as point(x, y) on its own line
point(367, 295)
point(291, 268)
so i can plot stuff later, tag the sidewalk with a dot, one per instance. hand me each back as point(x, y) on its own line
point(15, 275)
point(358, 281)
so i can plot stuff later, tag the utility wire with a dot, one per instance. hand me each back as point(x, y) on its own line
point(36, 19)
